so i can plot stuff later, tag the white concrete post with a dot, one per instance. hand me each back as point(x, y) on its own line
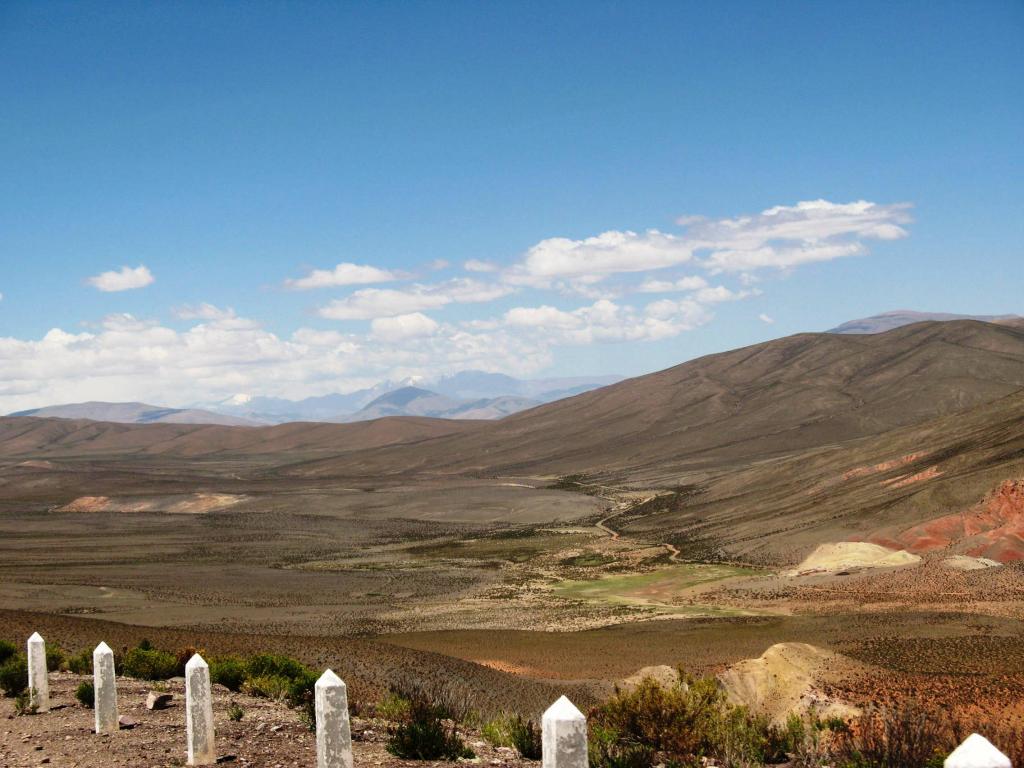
point(977, 752)
point(333, 735)
point(38, 678)
point(105, 689)
point(564, 732)
point(199, 713)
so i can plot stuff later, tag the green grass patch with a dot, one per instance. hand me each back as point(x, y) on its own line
point(657, 589)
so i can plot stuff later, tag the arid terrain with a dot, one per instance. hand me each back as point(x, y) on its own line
point(863, 495)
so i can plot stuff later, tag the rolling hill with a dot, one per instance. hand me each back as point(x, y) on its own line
point(750, 404)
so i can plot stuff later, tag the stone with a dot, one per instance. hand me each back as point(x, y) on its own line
point(125, 722)
point(333, 731)
point(104, 683)
point(199, 713)
point(976, 752)
point(564, 736)
point(38, 677)
point(158, 700)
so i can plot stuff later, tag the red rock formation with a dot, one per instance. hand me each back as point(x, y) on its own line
point(993, 528)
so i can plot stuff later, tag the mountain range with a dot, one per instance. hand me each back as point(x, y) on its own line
point(464, 395)
point(136, 413)
point(771, 449)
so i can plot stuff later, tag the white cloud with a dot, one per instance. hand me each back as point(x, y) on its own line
point(412, 326)
point(370, 303)
point(596, 257)
point(126, 358)
point(766, 318)
point(606, 321)
point(218, 354)
point(786, 236)
point(781, 237)
point(693, 283)
point(124, 279)
point(475, 265)
point(202, 311)
point(343, 274)
point(719, 293)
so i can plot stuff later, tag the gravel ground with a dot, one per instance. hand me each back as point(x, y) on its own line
point(269, 734)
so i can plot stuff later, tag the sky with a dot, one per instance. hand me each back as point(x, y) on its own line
point(200, 200)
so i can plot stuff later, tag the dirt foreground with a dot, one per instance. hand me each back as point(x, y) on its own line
point(269, 734)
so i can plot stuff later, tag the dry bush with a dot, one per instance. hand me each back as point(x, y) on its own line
point(428, 731)
point(680, 724)
point(902, 736)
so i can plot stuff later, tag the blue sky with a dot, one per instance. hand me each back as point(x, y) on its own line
point(845, 158)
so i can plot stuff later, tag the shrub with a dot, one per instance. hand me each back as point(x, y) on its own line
point(235, 712)
point(496, 731)
point(905, 736)
point(301, 688)
point(81, 663)
point(14, 675)
point(393, 707)
point(514, 731)
point(23, 704)
point(680, 720)
point(7, 651)
point(608, 749)
point(264, 664)
point(526, 737)
point(149, 664)
point(423, 734)
point(307, 710)
point(680, 724)
point(228, 671)
point(267, 686)
point(86, 694)
point(54, 657)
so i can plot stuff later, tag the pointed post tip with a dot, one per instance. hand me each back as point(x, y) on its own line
point(329, 678)
point(36, 638)
point(976, 750)
point(196, 661)
point(563, 709)
point(102, 648)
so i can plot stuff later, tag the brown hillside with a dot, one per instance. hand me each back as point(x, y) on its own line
point(30, 436)
point(767, 400)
